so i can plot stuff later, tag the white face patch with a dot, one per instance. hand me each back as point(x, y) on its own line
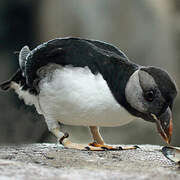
point(146, 80)
point(134, 93)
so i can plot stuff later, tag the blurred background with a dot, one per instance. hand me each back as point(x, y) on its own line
point(148, 31)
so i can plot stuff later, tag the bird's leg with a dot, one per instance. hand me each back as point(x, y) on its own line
point(99, 142)
point(96, 135)
point(63, 139)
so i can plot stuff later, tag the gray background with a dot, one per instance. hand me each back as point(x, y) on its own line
point(148, 31)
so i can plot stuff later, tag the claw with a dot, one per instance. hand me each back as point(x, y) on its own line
point(105, 148)
point(137, 147)
point(120, 148)
point(132, 147)
point(66, 135)
point(87, 148)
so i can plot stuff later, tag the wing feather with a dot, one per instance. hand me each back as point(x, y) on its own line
point(71, 51)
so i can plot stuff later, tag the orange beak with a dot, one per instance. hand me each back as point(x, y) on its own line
point(164, 125)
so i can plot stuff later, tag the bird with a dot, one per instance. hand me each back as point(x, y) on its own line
point(85, 82)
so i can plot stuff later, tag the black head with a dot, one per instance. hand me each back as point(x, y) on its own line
point(151, 91)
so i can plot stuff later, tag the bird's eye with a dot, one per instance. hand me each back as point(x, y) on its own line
point(149, 95)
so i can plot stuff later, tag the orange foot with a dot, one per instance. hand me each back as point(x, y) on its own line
point(111, 148)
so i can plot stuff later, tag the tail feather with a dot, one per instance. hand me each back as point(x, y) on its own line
point(16, 77)
point(5, 85)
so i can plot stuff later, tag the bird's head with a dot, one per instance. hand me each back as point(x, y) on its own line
point(151, 92)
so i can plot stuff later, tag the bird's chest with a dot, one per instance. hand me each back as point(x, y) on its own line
point(75, 96)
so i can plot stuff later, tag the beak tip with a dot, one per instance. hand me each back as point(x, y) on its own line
point(165, 129)
point(169, 133)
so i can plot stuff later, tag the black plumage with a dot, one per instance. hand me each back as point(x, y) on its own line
point(73, 51)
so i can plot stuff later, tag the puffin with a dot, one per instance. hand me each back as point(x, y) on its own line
point(84, 82)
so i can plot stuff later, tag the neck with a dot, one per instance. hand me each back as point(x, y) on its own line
point(117, 74)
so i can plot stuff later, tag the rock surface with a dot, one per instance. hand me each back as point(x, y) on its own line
point(51, 161)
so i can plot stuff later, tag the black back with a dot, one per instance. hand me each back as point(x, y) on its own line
point(71, 51)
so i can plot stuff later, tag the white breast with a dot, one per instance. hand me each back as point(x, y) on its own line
point(75, 96)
